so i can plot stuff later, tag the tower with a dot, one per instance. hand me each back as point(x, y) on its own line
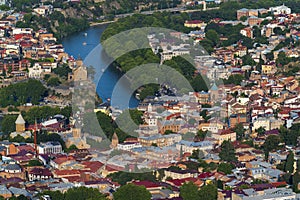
point(214, 93)
point(149, 109)
point(114, 141)
point(20, 124)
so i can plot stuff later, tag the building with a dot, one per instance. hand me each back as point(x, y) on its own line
point(50, 148)
point(128, 146)
point(20, 124)
point(280, 10)
point(4, 192)
point(195, 24)
point(246, 13)
point(188, 146)
point(247, 32)
point(160, 140)
point(38, 174)
point(224, 135)
point(114, 141)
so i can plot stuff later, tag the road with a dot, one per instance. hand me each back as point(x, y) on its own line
point(177, 9)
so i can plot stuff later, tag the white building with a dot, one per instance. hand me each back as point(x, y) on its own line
point(280, 10)
point(128, 146)
point(187, 146)
point(36, 71)
point(50, 148)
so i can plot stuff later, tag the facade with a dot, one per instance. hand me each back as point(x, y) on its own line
point(187, 146)
point(38, 174)
point(50, 148)
point(224, 135)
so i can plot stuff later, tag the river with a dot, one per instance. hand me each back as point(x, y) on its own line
point(86, 45)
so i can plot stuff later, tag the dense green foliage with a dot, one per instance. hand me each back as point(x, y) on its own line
point(124, 177)
point(44, 112)
point(271, 143)
point(76, 193)
point(8, 124)
point(53, 81)
point(289, 165)
point(163, 20)
point(227, 152)
point(34, 163)
point(240, 131)
point(109, 126)
point(24, 92)
point(225, 168)
point(132, 192)
point(56, 23)
point(189, 191)
point(62, 71)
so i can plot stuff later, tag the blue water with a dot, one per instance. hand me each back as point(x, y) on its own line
point(92, 54)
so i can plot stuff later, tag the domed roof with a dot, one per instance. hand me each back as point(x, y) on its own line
point(13, 167)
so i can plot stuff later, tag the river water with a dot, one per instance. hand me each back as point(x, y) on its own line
point(86, 45)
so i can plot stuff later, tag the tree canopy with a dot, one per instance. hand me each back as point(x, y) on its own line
point(132, 192)
point(31, 91)
point(227, 152)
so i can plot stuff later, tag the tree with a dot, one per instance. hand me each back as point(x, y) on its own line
point(296, 180)
point(240, 131)
point(55, 195)
point(243, 18)
point(8, 124)
point(54, 81)
point(213, 36)
point(22, 92)
point(199, 83)
point(271, 143)
point(260, 130)
point(189, 191)
point(289, 165)
point(278, 31)
point(72, 147)
point(227, 152)
point(132, 192)
point(82, 193)
point(225, 168)
point(32, 163)
point(208, 192)
point(234, 79)
point(248, 60)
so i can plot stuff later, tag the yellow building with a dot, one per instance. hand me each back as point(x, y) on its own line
point(223, 135)
point(195, 24)
point(268, 68)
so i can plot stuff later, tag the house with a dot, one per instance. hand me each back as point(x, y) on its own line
point(36, 173)
point(223, 135)
point(187, 146)
point(62, 162)
point(13, 170)
point(4, 192)
point(268, 123)
point(160, 140)
point(195, 24)
point(180, 174)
